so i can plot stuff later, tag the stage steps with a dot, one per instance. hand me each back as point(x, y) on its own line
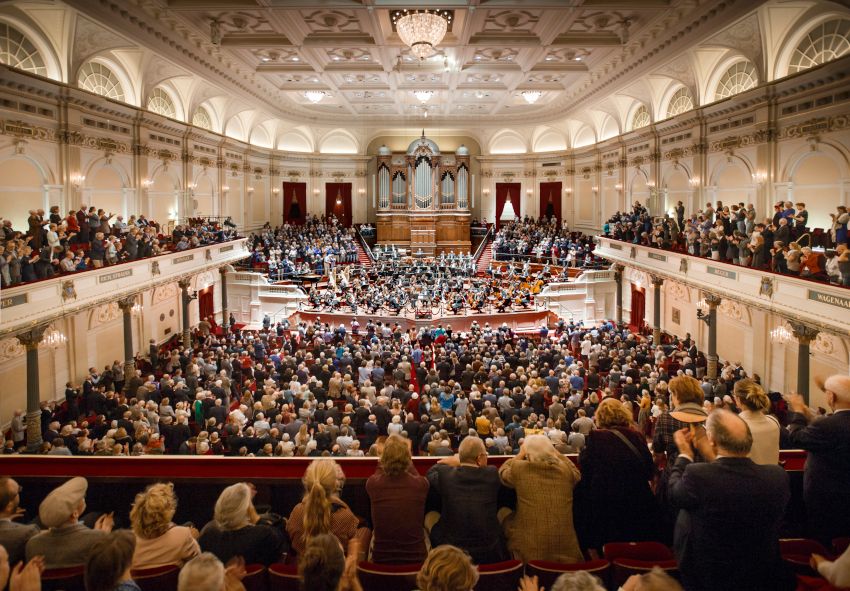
point(362, 257)
point(484, 258)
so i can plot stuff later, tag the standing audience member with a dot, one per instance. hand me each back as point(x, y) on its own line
point(751, 398)
point(730, 510)
point(826, 481)
point(397, 493)
point(541, 529)
point(468, 492)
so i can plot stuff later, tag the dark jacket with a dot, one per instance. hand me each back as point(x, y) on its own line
point(469, 502)
point(727, 531)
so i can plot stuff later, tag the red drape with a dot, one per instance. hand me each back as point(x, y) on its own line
point(502, 191)
point(638, 308)
point(206, 305)
point(341, 210)
point(294, 202)
point(550, 200)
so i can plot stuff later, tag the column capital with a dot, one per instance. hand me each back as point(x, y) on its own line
point(126, 304)
point(804, 334)
point(32, 338)
point(657, 281)
point(184, 283)
point(223, 270)
point(712, 300)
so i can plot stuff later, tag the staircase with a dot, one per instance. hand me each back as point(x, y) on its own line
point(484, 258)
point(363, 258)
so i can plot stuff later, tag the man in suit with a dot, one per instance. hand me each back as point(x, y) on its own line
point(468, 490)
point(826, 481)
point(730, 510)
point(13, 536)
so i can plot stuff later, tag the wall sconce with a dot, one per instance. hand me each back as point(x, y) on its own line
point(316, 191)
point(529, 191)
point(650, 184)
point(759, 177)
point(361, 191)
point(694, 182)
point(192, 186)
point(568, 190)
point(225, 188)
point(136, 309)
point(147, 184)
point(486, 191)
point(702, 311)
point(78, 179)
point(619, 186)
point(250, 189)
point(594, 188)
point(275, 191)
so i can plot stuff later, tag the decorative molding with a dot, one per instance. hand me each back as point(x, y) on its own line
point(678, 291)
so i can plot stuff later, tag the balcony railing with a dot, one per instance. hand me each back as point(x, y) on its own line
point(44, 301)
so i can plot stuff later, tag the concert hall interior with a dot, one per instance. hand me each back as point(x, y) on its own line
point(435, 295)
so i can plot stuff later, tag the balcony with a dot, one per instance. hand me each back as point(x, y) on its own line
point(815, 303)
point(44, 301)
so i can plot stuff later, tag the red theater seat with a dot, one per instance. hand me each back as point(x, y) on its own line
point(71, 578)
point(630, 558)
point(797, 553)
point(283, 577)
point(548, 572)
point(388, 577)
point(159, 578)
point(255, 580)
point(499, 576)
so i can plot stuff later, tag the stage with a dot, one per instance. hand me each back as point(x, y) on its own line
point(518, 320)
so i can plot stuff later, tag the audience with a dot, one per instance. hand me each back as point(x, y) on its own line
point(158, 540)
point(542, 526)
point(236, 529)
point(109, 561)
point(543, 240)
point(324, 567)
point(397, 493)
point(85, 240)
point(207, 572)
point(730, 510)
point(447, 568)
point(13, 536)
point(783, 243)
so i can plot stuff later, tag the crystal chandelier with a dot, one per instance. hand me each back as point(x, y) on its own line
point(423, 95)
point(314, 96)
point(780, 335)
point(531, 96)
point(422, 30)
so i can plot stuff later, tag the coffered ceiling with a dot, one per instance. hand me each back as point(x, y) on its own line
point(494, 50)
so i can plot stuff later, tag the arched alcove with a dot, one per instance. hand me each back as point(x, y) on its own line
point(203, 196)
point(508, 143)
point(817, 183)
point(163, 195)
point(292, 141)
point(734, 183)
point(105, 189)
point(638, 190)
point(21, 189)
point(338, 142)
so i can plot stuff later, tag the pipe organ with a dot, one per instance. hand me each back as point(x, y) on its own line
point(423, 198)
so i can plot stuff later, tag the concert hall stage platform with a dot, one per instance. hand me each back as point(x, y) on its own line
point(518, 321)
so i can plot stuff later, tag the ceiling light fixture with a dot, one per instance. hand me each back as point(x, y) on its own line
point(423, 95)
point(315, 96)
point(531, 96)
point(422, 30)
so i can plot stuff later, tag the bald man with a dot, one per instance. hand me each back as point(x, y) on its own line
point(730, 510)
point(826, 481)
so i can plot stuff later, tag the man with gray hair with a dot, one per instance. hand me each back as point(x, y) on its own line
point(730, 510)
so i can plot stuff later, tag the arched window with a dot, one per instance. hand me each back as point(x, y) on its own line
point(18, 52)
point(680, 102)
point(99, 79)
point(740, 77)
point(202, 119)
point(641, 118)
point(824, 43)
point(161, 103)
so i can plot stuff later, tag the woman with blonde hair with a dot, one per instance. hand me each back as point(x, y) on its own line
point(236, 529)
point(616, 468)
point(539, 473)
point(447, 568)
point(321, 511)
point(755, 406)
point(158, 540)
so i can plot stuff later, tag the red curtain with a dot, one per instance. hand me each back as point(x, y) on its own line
point(341, 210)
point(550, 200)
point(502, 192)
point(206, 305)
point(638, 308)
point(295, 203)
